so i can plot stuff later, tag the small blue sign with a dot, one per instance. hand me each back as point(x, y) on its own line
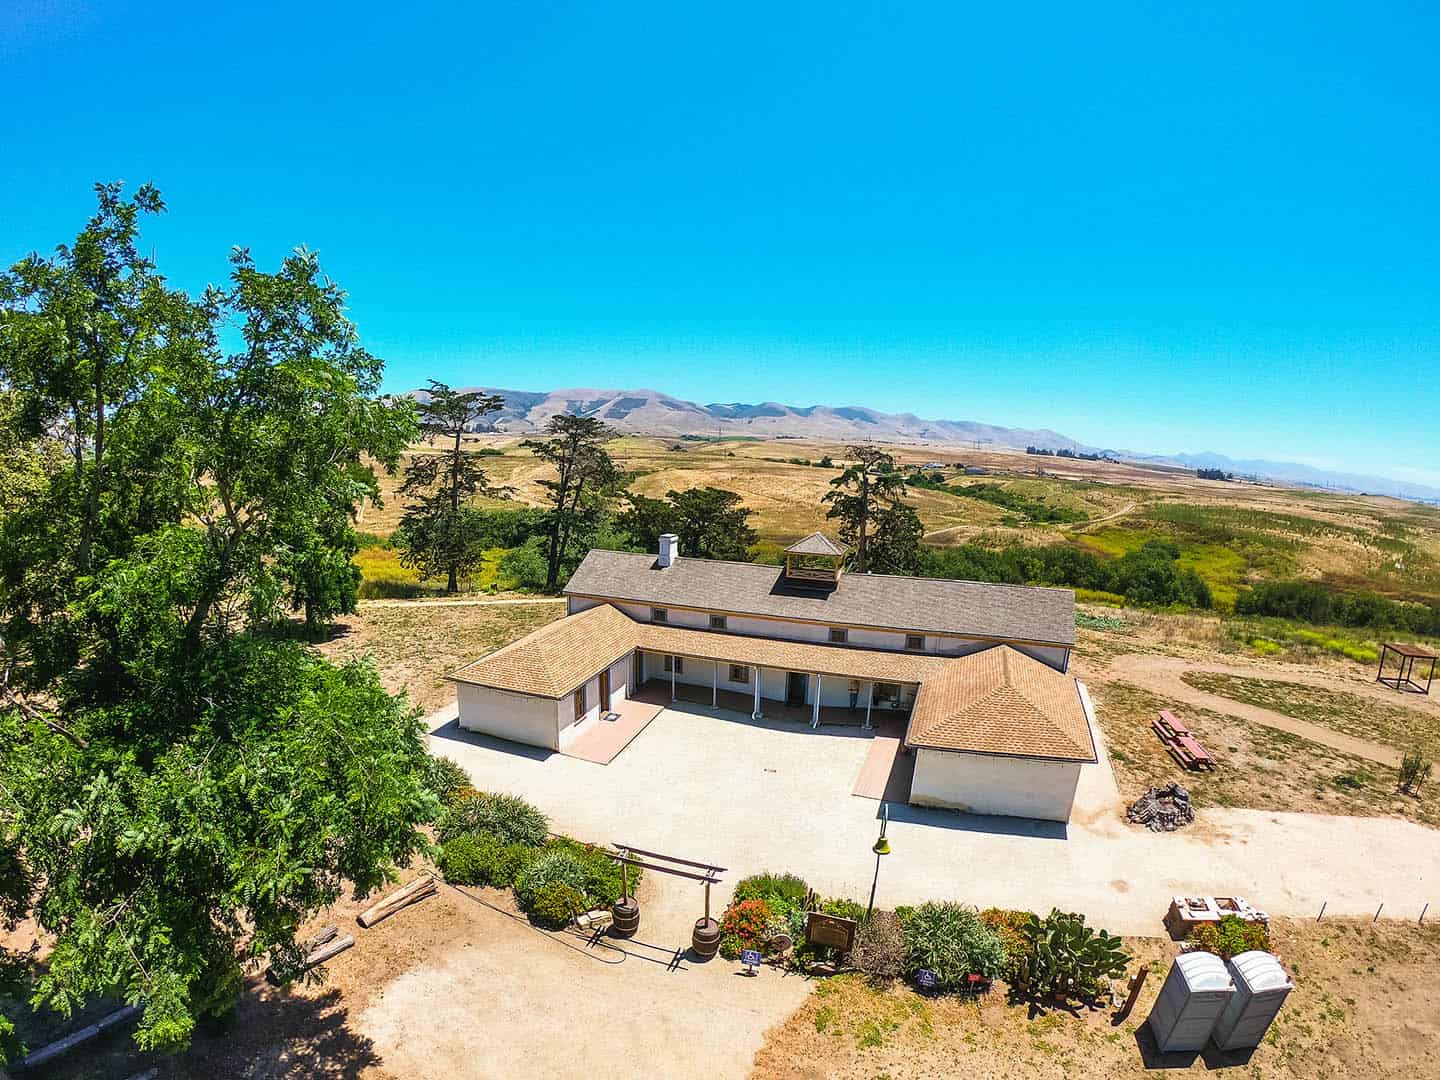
point(750, 957)
point(926, 979)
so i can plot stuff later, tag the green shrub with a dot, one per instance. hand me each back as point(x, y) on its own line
point(767, 886)
point(950, 940)
point(1067, 958)
point(509, 818)
point(603, 884)
point(555, 905)
point(1231, 936)
point(880, 946)
point(445, 778)
point(553, 867)
point(745, 925)
point(470, 859)
point(1414, 771)
point(1007, 923)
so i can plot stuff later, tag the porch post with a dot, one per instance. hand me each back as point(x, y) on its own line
point(815, 712)
point(869, 701)
point(672, 678)
point(714, 684)
point(756, 714)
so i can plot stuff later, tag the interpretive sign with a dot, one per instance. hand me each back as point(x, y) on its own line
point(830, 931)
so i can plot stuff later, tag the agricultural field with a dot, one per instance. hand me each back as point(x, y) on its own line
point(1232, 534)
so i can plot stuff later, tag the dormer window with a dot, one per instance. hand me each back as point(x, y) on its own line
point(914, 642)
point(839, 635)
point(659, 614)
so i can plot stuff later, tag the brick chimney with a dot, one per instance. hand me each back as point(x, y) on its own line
point(669, 550)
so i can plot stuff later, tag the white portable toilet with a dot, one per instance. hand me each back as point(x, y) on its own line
point(1261, 987)
point(1195, 995)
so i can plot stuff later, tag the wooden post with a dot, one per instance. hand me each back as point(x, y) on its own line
point(1423, 910)
point(1377, 912)
point(1322, 910)
point(756, 671)
point(714, 684)
point(815, 712)
point(674, 663)
point(869, 701)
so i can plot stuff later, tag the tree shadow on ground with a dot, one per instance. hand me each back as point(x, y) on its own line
point(269, 1035)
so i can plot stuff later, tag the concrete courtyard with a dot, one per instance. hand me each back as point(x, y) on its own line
point(715, 786)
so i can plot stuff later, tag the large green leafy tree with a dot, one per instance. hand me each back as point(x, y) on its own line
point(866, 492)
point(584, 475)
point(440, 532)
point(712, 523)
point(182, 784)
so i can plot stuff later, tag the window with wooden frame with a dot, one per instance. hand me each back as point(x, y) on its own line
point(915, 642)
point(839, 635)
point(719, 622)
point(659, 614)
point(739, 673)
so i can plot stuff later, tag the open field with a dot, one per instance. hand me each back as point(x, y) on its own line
point(1232, 534)
point(1364, 1004)
point(416, 646)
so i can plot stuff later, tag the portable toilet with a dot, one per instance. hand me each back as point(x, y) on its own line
point(1194, 996)
point(1261, 987)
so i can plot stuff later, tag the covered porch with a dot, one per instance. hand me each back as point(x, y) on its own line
point(803, 697)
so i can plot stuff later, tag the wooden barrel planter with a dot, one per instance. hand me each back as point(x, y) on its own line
point(627, 918)
point(705, 941)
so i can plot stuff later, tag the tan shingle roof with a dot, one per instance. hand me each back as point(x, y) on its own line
point(817, 543)
point(1013, 613)
point(845, 661)
point(1001, 701)
point(555, 659)
point(998, 701)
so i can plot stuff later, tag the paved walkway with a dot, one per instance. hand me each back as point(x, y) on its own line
point(886, 774)
point(1162, 675)
point(601, 740)
point(717, 786)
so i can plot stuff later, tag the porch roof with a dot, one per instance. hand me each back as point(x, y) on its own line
point(997, 701)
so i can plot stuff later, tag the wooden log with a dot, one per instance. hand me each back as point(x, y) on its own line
point(418, 889)
point(328, 951)
point(320, 937)
point(91, 1031)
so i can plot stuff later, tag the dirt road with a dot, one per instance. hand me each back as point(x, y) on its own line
point(1162, 675)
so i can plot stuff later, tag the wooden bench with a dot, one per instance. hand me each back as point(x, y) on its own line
point(1181, 743)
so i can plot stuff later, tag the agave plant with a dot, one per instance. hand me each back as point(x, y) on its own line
point(1066, 958)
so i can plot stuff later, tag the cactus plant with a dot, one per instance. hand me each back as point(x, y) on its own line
point(1066, 958)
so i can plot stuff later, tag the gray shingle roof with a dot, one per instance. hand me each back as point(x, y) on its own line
point(879, 601)
point(817, 543)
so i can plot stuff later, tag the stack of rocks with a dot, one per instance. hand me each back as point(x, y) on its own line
point(1162, 809)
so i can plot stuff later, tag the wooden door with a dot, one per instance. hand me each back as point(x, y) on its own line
point(605, 690)
point(580, 704)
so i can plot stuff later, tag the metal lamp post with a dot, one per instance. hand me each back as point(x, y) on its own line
point(881, 847)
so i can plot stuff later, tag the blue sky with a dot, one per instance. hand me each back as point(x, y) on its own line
point(1145, 228)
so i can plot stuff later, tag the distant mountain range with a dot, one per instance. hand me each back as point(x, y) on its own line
point(655, 413)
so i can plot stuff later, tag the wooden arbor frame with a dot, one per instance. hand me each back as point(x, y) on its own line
point(1403, 679)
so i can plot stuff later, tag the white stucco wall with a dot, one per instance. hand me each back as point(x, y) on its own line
point(520, 717)
point(985, 784)
point(935, 644)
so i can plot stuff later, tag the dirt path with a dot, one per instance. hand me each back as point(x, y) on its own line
point(1082, 526)
point(1162, 675)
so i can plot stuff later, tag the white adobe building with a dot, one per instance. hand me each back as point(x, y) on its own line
point(976, 672)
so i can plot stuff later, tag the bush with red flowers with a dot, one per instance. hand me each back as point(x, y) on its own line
point(745, 925)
